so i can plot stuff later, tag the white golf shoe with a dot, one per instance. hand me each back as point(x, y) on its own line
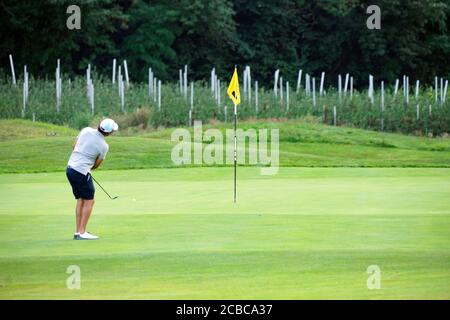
point(85, 236)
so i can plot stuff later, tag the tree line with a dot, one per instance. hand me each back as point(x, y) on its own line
point(323, 35)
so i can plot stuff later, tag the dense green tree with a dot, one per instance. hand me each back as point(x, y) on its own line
point(205, 36)
point(268, 34)
point(323, 35)
point(35, 32)
point(148, 39)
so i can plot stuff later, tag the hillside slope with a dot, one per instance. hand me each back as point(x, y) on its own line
point(35, 147)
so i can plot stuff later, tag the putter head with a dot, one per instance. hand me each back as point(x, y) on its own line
point(114, 198)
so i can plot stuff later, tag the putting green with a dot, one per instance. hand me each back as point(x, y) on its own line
point(175, 234)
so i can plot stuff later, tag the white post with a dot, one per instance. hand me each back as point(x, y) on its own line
point(159, 95)
point(442, 89)
point(417, 112)
point(88, 79)
point(397, 83)
point(382, 105)
point(26, 82)
point(149, 82)
point(347, 76)
point(119, 84)
point(119, 75)
point(417, 89)
point(58, 86)
point(256, 96)
point(281, 89)
point(407, 90)
point(114, 72)
point(275, 86)
point(299, 80)
point(340, 87)
point(445, 90)
point(192, 95)
point(371, 89)
point(218, 94)
point(287, 96)
point(405, 85)
point(126, 72)
point(24, 90)
point(181, 81)
point(245, 82)
point(185, 81)
point(322, 82)
point(213, 72)
point(92, 98)
point(190, 117)
point(249, 85)
point(307, 85)
point(351, 87)
point(436, 88)
point(155, 96)
point(12, 70)
point(334, 116)
point(122, 94)
point(314, 91)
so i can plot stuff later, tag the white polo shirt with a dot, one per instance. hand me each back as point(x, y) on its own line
point(90, 145)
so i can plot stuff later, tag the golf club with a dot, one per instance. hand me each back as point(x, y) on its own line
point(112, 198)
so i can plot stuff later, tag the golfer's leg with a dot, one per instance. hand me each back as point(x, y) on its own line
point(79, 213)
point(86, 213)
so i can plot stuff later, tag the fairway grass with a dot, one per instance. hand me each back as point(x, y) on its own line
point(306, 233)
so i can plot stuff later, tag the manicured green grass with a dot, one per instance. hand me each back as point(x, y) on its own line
point(175, 233)
point(301, 145)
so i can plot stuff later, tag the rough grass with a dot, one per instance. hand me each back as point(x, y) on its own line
point(36, 147)
point(23, 129)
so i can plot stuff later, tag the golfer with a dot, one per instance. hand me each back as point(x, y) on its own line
point(89, 151)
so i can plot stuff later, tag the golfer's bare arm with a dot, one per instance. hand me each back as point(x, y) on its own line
point(97, 163)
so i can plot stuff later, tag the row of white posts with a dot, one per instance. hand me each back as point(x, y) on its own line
point(155, 87)
point(183, 81)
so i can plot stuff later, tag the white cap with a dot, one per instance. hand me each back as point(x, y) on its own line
point(108, 125)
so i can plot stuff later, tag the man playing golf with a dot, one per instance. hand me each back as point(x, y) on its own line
point(89, 151)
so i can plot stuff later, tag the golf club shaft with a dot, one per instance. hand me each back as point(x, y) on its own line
point(101, 187)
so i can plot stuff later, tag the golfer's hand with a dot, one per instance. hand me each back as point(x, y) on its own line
point(97, 164)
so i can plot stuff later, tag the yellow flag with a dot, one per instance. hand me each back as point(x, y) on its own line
point(233, 88)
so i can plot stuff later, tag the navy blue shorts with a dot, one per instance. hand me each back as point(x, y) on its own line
point(82, 185)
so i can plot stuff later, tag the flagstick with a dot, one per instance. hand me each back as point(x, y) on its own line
point(235, 148)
